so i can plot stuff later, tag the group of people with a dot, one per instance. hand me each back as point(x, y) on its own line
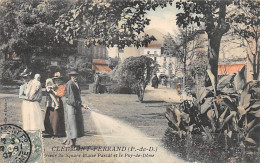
point(173, 82)
point(63, 109)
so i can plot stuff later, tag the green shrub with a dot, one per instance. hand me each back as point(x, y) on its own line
point(11, 71)
point(121, 89)
point(133, 75)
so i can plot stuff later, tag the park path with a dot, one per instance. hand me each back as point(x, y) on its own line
point(163, 93)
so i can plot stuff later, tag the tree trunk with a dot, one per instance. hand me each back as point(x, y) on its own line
point(184, 70)
point(258, 65)
point(256, 61)
point(213, 55)
point(215, 34)
point(255, 74)
point(140, 92)
point(184, 59)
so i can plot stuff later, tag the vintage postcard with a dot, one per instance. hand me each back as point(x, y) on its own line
point(129, 81)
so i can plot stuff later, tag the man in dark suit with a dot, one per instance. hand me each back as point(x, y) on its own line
point(73, 113)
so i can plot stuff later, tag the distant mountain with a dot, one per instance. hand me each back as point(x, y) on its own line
point(133, 51)
point(157, 34)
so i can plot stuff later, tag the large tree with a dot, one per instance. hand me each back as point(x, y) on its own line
point(210, 14)
point(246, 23)
point(184, 44)
point(27, 27)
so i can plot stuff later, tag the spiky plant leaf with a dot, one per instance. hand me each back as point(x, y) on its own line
point(250, 140)
point(229, 134)
point(206, 105)
point(212, 79)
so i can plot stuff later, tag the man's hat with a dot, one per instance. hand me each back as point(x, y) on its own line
point(73, 72)
point(57, 75)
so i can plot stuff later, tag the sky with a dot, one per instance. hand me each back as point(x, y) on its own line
point(163, 20)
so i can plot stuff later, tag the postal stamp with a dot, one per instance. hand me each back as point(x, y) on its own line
point(37, 154)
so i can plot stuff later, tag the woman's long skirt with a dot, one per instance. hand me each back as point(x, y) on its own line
point(54, 121)
point(32, 116)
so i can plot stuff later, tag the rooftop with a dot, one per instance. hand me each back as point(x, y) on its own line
point(229, 68)
point(99, 61)
point(101, 68)
point(154, 45)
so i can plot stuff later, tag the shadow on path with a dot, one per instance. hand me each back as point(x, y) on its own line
point(154, 101)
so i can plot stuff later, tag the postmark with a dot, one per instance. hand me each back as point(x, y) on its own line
point(15, 144)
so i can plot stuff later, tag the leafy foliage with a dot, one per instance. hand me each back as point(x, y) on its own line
point(134, 73)
point(85, 72)
point(228, 113)
point(11, 71)
point(39, 67)
point(27, 28)
point(109, 22)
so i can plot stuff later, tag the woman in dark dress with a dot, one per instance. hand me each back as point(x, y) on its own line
point(54, 116)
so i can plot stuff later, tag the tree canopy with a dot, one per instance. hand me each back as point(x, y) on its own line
point(109, 22)
point(27, 27)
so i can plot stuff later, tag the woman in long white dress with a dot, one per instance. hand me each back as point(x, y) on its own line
point(32, 117)
point(25, 77)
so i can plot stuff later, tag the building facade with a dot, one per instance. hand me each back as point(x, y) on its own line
point(165, 63)
point(152, 49)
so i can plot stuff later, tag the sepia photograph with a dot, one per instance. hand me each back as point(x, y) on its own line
point(129, 81)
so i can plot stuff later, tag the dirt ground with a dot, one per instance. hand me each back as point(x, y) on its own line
point(116, 120)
